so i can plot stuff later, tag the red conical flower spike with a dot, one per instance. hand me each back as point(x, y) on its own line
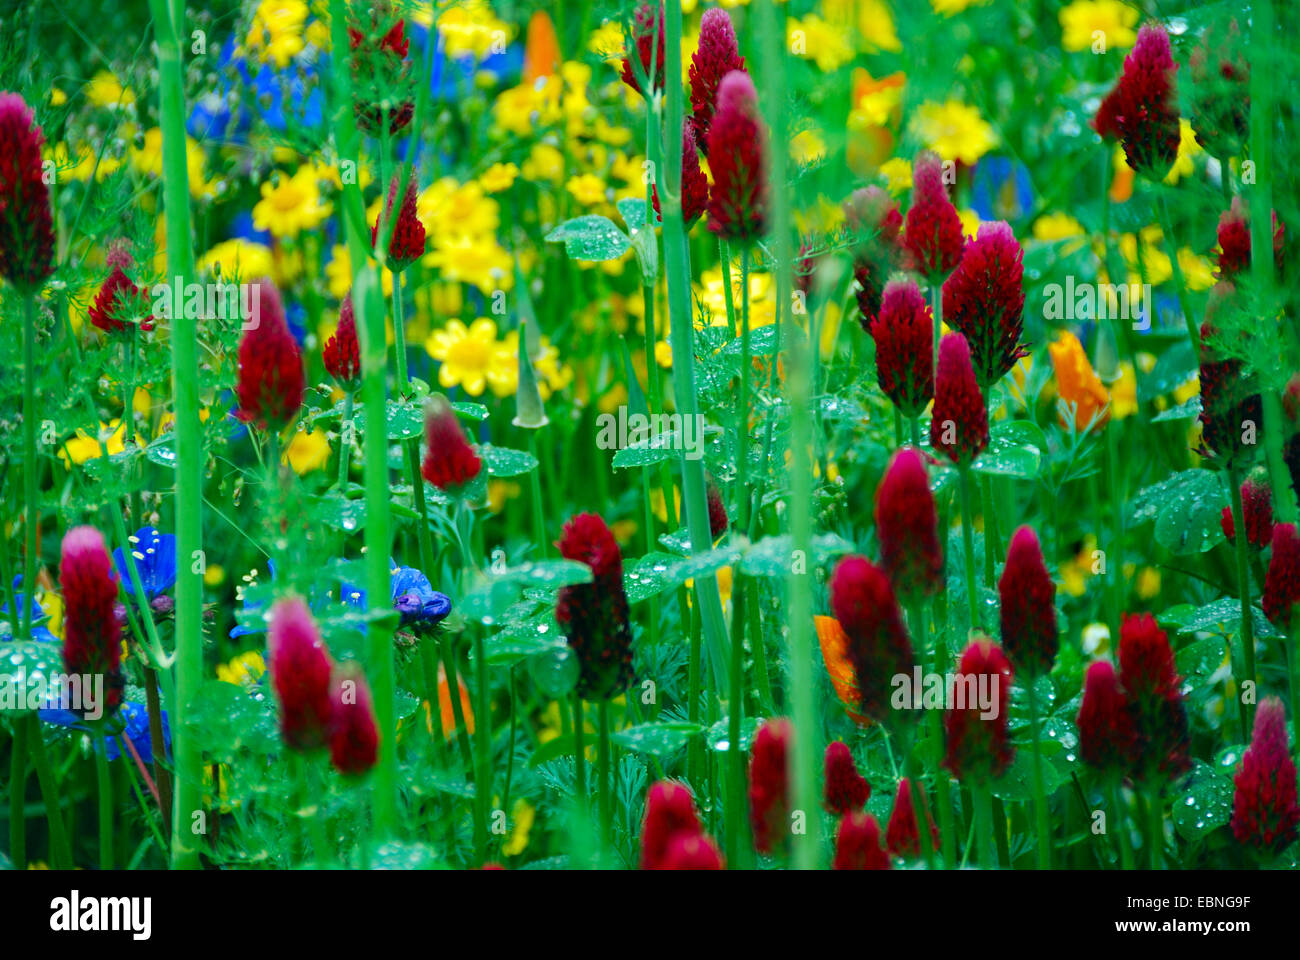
point(1107, 736)
point(270, 384)
point(715, 57)
point(1234, 241)
point(904, 335)
point(353, 735)
point(91, 635)
point(1142, 110)
point(1152, 684)
point(933, 235)
point(449, 461)
point(301, 674)
point(692, 851)
point(118, 304)
point(407, 244)
point(846, 789)
point(976, 724)
point(878, 646)
point(857, 844)
point(873, 213)
point(1282, 582)
point(1257, 514)
point(718, 519)
point(26, 224)
point(648, 41)
point(902, 837)
point(1265, 813)
point(342, 353)
point(737, 141)
point(907, 528)
point(669, 811)
point(960, 421)
point(1028, 606)
point(984, 299)
point(769, 785)
point(594, 616)
point(695, 185)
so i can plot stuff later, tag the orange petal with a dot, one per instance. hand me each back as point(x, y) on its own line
point(541, 49)
point(835, 644)
point(445, 706)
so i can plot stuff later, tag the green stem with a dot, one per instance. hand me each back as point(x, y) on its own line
point(604, 787)
point(60, 852)
point(992, 536)
point(1114, 795)
point(483, 736)
point(735, 713)
point(1040, 791)
point(1115, 567)
point(968, 545)
point(1243, 590)
point(1180, 286)
point(579, 750)
point(169, 29)
point(1156, 829)
point(31, 495)
point(535, 491)
point(18, 796)
point(104, 787)
point(345, 441)
point(982, 801)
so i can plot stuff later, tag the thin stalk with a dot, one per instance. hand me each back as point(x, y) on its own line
point(154, 706)
point(1180, 286)
point(1243, 590)
point(345, 441)
point(735, 713)
point(483, 736)
point(1116, 565)
point(936, 309)
point(695, 751)
point(31, 496)
point(1114, 794)
point(18, 797)
point(1156, 829)
point(604, 787)
point(104, 787)
point(683, 344)
point(169, 28)
point(60, 852)
point(535, 492)
point(579, 750)
point(982, 801)
point(992, 536)
point(968, 545)
point(1040, 792)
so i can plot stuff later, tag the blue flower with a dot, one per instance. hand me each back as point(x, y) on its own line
point(39, 631)
point(1001, 190)
point(413, 597)
point(240, 630)
point(136, 717)
point(155, 561)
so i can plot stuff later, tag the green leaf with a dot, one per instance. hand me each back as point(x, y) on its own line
point(538, 634)
point(1017, 784)
point(774, 556)
point(653, 574)
point(25, 666)
point(504, 462)
point(659, 739)
point(163, 450)
point(645, 453)
point(226, 720)
point(470, 410)
point(1184, 411)
point(1015, 450)
point(1223, 616)
point(720, 733)
point(590, 237)
point(340, 513)
point(1188, 522)
point(403, 418)
point(1206, 803)
point(633, 212)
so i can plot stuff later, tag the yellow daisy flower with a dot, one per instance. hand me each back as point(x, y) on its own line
point(467, 354)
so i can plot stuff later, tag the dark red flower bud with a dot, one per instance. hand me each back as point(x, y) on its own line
point(1153, 688)
point(960, 421)
point(846, 789)
point(902, 837)
point(1282, 582)
point(342, 353)
point(984, 299)
point(119, 304)
point(648, 40)
point(904, 335)
point(1107, 736)
point(692, 851)
point(594, 616)
point(907, 528)
point(1229, 400)
point(1221, 90)
point(978, 747)
point(1028, 606)
point(300, 673)
point(933, 236)
point(669, 811)
point(695, 185)
point(379, 66)
point(769, 785)
point(737, 145)
point(857, 844)
point(449, 460)
point(878, 646)
point(270, 383)
point(353, 735)
point(718, 519)
point(716, 56)
point(1234, 241)
point(1141, 112)
point(91, 634)
point(26, 225)
point(407, 243)
point(1265, 813)
point(1257, 514)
